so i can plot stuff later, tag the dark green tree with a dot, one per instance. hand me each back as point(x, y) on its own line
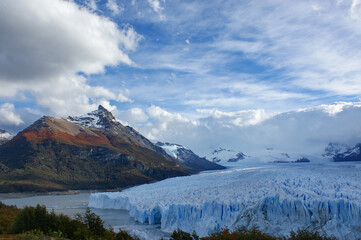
point(94, 223)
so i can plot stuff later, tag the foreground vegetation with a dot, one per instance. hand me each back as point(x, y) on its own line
point(243, 233)
point(36, 222)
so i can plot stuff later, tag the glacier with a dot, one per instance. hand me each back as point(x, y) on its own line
point(277, 198)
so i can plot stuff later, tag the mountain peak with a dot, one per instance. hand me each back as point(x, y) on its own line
point(100, 118)
point(100, 107)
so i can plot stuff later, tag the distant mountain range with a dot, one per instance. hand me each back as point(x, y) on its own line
point(188, 158)
point(343, 153)
point(93, 151)
point(226, 155)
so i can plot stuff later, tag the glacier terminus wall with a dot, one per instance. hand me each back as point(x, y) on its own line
point(277, 198)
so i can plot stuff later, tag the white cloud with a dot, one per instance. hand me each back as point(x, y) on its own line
point(164, 123)
point(156, 6)
point(133, 116)
point(58, 37)
point(130, 38)
point(238, 118)
point(91, 4)
point(8, 115)
point(333, 109)
point(355, 7)
point(72, 96)
point(114, 7)
point(45, 44)
point(314, 44)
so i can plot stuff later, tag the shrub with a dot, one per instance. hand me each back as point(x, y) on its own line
point(307, 235)
point(241, 233)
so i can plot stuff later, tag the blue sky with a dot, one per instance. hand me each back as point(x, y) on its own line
point(181, 60)
point(240, 55)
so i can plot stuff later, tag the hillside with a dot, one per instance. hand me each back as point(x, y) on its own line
point(62, 154)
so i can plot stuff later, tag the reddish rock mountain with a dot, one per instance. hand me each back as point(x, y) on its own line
point(93, 151)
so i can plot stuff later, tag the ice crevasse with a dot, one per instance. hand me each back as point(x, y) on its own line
point(276, 199)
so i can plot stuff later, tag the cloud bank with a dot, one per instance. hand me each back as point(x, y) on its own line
point(304, 131)
point(48, 48)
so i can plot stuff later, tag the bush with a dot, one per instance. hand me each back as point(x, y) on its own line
point(123, 235)
point(307, 235)
point(241, 233)
point(181, 235)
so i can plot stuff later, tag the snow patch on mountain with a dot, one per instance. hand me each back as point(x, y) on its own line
point(276, 198)
point(88, 120)
point(171, 148)
point(226, 155)
point(188, 158)
point(95, 119)
point(5, 136)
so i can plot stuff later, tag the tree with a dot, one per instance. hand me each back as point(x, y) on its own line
point(94, 223)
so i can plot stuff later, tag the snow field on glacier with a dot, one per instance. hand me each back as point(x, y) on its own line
point(277, 198)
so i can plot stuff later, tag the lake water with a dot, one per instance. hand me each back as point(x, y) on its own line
point(73, 204)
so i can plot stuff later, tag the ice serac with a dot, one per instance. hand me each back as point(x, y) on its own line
point(188, 158)
point(276, 198)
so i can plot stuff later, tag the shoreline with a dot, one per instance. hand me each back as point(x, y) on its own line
point(14, 195)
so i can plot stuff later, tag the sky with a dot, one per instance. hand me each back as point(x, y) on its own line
point(173, 68)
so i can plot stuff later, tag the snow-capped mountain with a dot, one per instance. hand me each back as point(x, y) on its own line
point(5, 136)
point(342, 153)
point(91, 152)
point(333, 149)
point(226, 155)
point(188, 158)
point(346, 154)
point(271, 155)
point(102, 119)
point(268, 155)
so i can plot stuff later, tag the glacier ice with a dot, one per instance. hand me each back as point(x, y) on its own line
point(275, 198)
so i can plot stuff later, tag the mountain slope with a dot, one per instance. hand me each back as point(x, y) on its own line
point(343, 153)
point(189, 158)
point(58, 154)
